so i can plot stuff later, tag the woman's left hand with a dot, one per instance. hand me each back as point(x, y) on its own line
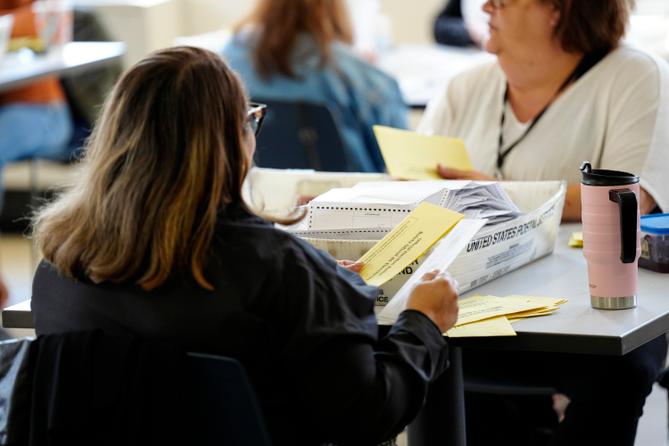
point(449, 173)
point(647, 203)
point(356, 266)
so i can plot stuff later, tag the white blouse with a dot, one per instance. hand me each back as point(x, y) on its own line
point(616, 116)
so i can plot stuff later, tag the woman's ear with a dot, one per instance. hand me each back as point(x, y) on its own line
point(249, 142)
point(555, 15)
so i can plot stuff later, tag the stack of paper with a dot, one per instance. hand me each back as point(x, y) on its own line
point(384, 204)
point(492, 315)
point(486, 200)
point(349, 222)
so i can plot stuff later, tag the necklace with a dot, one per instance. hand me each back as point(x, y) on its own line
point(587, 62)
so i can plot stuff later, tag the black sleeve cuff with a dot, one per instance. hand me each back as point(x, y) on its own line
point(420, 342)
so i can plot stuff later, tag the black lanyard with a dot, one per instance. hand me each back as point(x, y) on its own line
point(587, 62)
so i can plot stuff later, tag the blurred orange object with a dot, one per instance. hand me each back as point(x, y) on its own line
point(43, 91)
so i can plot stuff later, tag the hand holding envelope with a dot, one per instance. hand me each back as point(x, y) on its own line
point(435, 296)
point(412, 156)
point(414, 235)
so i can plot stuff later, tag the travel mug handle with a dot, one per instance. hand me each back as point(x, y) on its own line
point(627, 206)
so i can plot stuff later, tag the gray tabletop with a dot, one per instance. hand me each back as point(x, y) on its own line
point(17, 316)
point(20, 69)
point(577, 327)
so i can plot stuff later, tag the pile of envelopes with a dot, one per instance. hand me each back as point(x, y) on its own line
point(492, 315)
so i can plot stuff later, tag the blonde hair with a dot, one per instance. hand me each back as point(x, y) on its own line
point(279, 23)
point(164, 159)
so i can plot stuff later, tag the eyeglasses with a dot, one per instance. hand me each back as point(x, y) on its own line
point(255, 116)
point(498, 4)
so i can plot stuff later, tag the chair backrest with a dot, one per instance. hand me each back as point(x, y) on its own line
point(224, 408)
point(91, 388)
point(300, 135)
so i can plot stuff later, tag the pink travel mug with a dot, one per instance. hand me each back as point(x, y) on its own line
point(610, 214)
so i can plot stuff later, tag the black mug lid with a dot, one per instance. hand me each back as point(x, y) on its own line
point(603, 177)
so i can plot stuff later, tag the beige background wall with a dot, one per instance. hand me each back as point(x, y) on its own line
point(411, 21)
point(146, 25)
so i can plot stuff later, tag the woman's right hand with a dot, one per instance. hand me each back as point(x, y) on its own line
point(436, 297)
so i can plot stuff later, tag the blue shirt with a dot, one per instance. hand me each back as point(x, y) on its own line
point(360, 92)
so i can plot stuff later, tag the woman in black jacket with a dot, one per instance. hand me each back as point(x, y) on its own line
point(154, 240)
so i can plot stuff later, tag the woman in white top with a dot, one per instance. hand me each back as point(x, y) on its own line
point(563, 90)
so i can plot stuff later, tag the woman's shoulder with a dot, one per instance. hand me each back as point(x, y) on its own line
point(486, 73)
point(473, 87)
point(302, 267)
point(632, 63)
point(241, 226)
point(348, 62)
point(239, 47)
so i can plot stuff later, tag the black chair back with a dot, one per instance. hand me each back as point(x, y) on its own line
point(224, 408)
point(300, 135)
point(92, 388)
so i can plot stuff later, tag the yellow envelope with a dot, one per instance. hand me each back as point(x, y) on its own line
point(548, 301)
point(414, 235)
point(531, 313)
point(498, 326)
point(412, 156)
point(478, 308)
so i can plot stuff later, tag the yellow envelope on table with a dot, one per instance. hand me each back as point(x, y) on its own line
point(477, 308)
point(412, 156)
point(414, 235)
point(497, 326)
point(547, 301)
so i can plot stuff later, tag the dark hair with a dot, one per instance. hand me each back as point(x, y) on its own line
point(165, 157)
point(280, 22)
point(591, 25)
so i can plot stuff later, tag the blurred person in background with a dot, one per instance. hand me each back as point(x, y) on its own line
point(34, 119)
point(301, 50)
point(461, 23)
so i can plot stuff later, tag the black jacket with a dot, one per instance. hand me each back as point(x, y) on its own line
point(303, 327)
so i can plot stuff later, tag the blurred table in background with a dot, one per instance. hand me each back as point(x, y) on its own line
point(23, 67)
point(423, 71)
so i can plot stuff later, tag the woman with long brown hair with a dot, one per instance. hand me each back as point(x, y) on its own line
point(154, 240)
point(301, 50)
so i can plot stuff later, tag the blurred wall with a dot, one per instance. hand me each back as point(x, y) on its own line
point(412, 21)
point(146, 25)
point(201, 16)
